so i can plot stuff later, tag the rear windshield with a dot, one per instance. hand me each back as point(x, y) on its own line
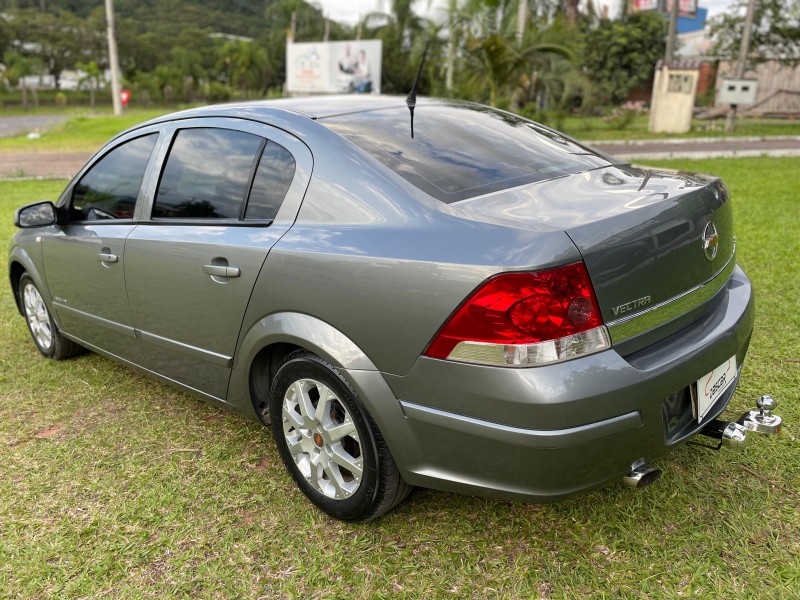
point(463, 151)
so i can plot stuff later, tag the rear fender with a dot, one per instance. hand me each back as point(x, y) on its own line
point(301, 330)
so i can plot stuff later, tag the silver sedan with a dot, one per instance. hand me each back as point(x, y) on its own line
point(486, 307)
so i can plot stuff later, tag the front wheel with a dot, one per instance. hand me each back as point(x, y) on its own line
point(330, 444)
point(45, 333)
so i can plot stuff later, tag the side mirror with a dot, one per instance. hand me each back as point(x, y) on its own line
point(40, 214)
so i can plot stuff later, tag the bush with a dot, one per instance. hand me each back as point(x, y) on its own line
point(622, 117)
point(218, 92)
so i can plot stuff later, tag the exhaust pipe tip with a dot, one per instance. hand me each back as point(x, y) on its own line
point(641, 477)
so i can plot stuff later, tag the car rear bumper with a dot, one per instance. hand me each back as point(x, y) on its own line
point(546, 433)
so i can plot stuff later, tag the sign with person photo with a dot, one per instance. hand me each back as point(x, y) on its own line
point(348, 67)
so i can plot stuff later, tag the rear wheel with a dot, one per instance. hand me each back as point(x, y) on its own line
point(330, 444)
point(45, 333)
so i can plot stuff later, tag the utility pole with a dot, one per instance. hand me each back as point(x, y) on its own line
point(113, 58)
point(669, 56)
point(744, 49)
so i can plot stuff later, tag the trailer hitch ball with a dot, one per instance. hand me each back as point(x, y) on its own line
point(762, 420)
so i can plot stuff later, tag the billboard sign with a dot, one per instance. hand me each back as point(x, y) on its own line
point(334, 67)
point(686, 8)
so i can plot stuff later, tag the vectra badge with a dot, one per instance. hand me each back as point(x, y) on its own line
point(710, 241)
point(632, 305)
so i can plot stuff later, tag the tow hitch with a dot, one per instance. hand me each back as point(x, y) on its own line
point(733, 434)
point(762, 420)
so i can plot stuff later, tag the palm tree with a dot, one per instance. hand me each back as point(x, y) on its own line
point(498, 63)
point(246, 63)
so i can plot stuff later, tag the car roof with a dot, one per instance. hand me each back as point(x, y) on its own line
point(312, 107)
point(320, 107)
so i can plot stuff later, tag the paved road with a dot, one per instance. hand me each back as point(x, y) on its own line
point(702, 147)
point(10, 126)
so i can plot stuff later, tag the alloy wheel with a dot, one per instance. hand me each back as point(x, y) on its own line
point(322, 439)
point(37, 316)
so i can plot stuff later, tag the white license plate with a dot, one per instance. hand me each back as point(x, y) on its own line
point(708, 389)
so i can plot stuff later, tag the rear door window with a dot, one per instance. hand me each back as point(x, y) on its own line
point(108, 190)
point(207, 174)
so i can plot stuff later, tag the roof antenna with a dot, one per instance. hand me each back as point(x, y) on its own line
point(411, 99)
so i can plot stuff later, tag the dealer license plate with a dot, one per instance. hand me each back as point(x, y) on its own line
point(708, 389)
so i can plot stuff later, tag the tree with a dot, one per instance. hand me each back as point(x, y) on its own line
point(5, 34)
point(506, 60)
point(17, 68)
point(246, 64)
point(775, 35)
point(93, 75)
point(55, 39)
point(404, 36)
point(621, 54)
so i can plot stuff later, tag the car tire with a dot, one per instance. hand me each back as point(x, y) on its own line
point(42, 327)
point(334, 451)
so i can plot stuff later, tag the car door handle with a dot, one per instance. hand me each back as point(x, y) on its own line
point(221, 271)
point(107, 257)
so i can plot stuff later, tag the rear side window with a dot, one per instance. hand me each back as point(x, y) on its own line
point(207, 175)
point(110, 188)
point(273, 178)
point(462, 151)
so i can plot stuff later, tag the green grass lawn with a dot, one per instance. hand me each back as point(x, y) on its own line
point(115, 485)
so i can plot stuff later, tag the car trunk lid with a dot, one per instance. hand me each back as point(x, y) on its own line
point(642, 233)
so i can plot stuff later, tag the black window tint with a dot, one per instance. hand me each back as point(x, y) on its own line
point(272, 181)
point(207, 174)
point(110, 188)
point(463, 151)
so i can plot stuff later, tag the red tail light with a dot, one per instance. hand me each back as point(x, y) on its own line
point(525, 319)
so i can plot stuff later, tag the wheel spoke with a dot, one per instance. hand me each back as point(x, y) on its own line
point(295, 446)
point(304, 403)
point(292, 416)
point(343, 459)
point(314, 478)
point(335, 477)
point(337, 432)
point(28, 301)
point(325, 397)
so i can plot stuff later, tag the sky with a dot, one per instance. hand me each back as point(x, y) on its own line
point(349, 11)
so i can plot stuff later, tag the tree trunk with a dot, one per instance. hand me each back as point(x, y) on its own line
point(572, 11)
